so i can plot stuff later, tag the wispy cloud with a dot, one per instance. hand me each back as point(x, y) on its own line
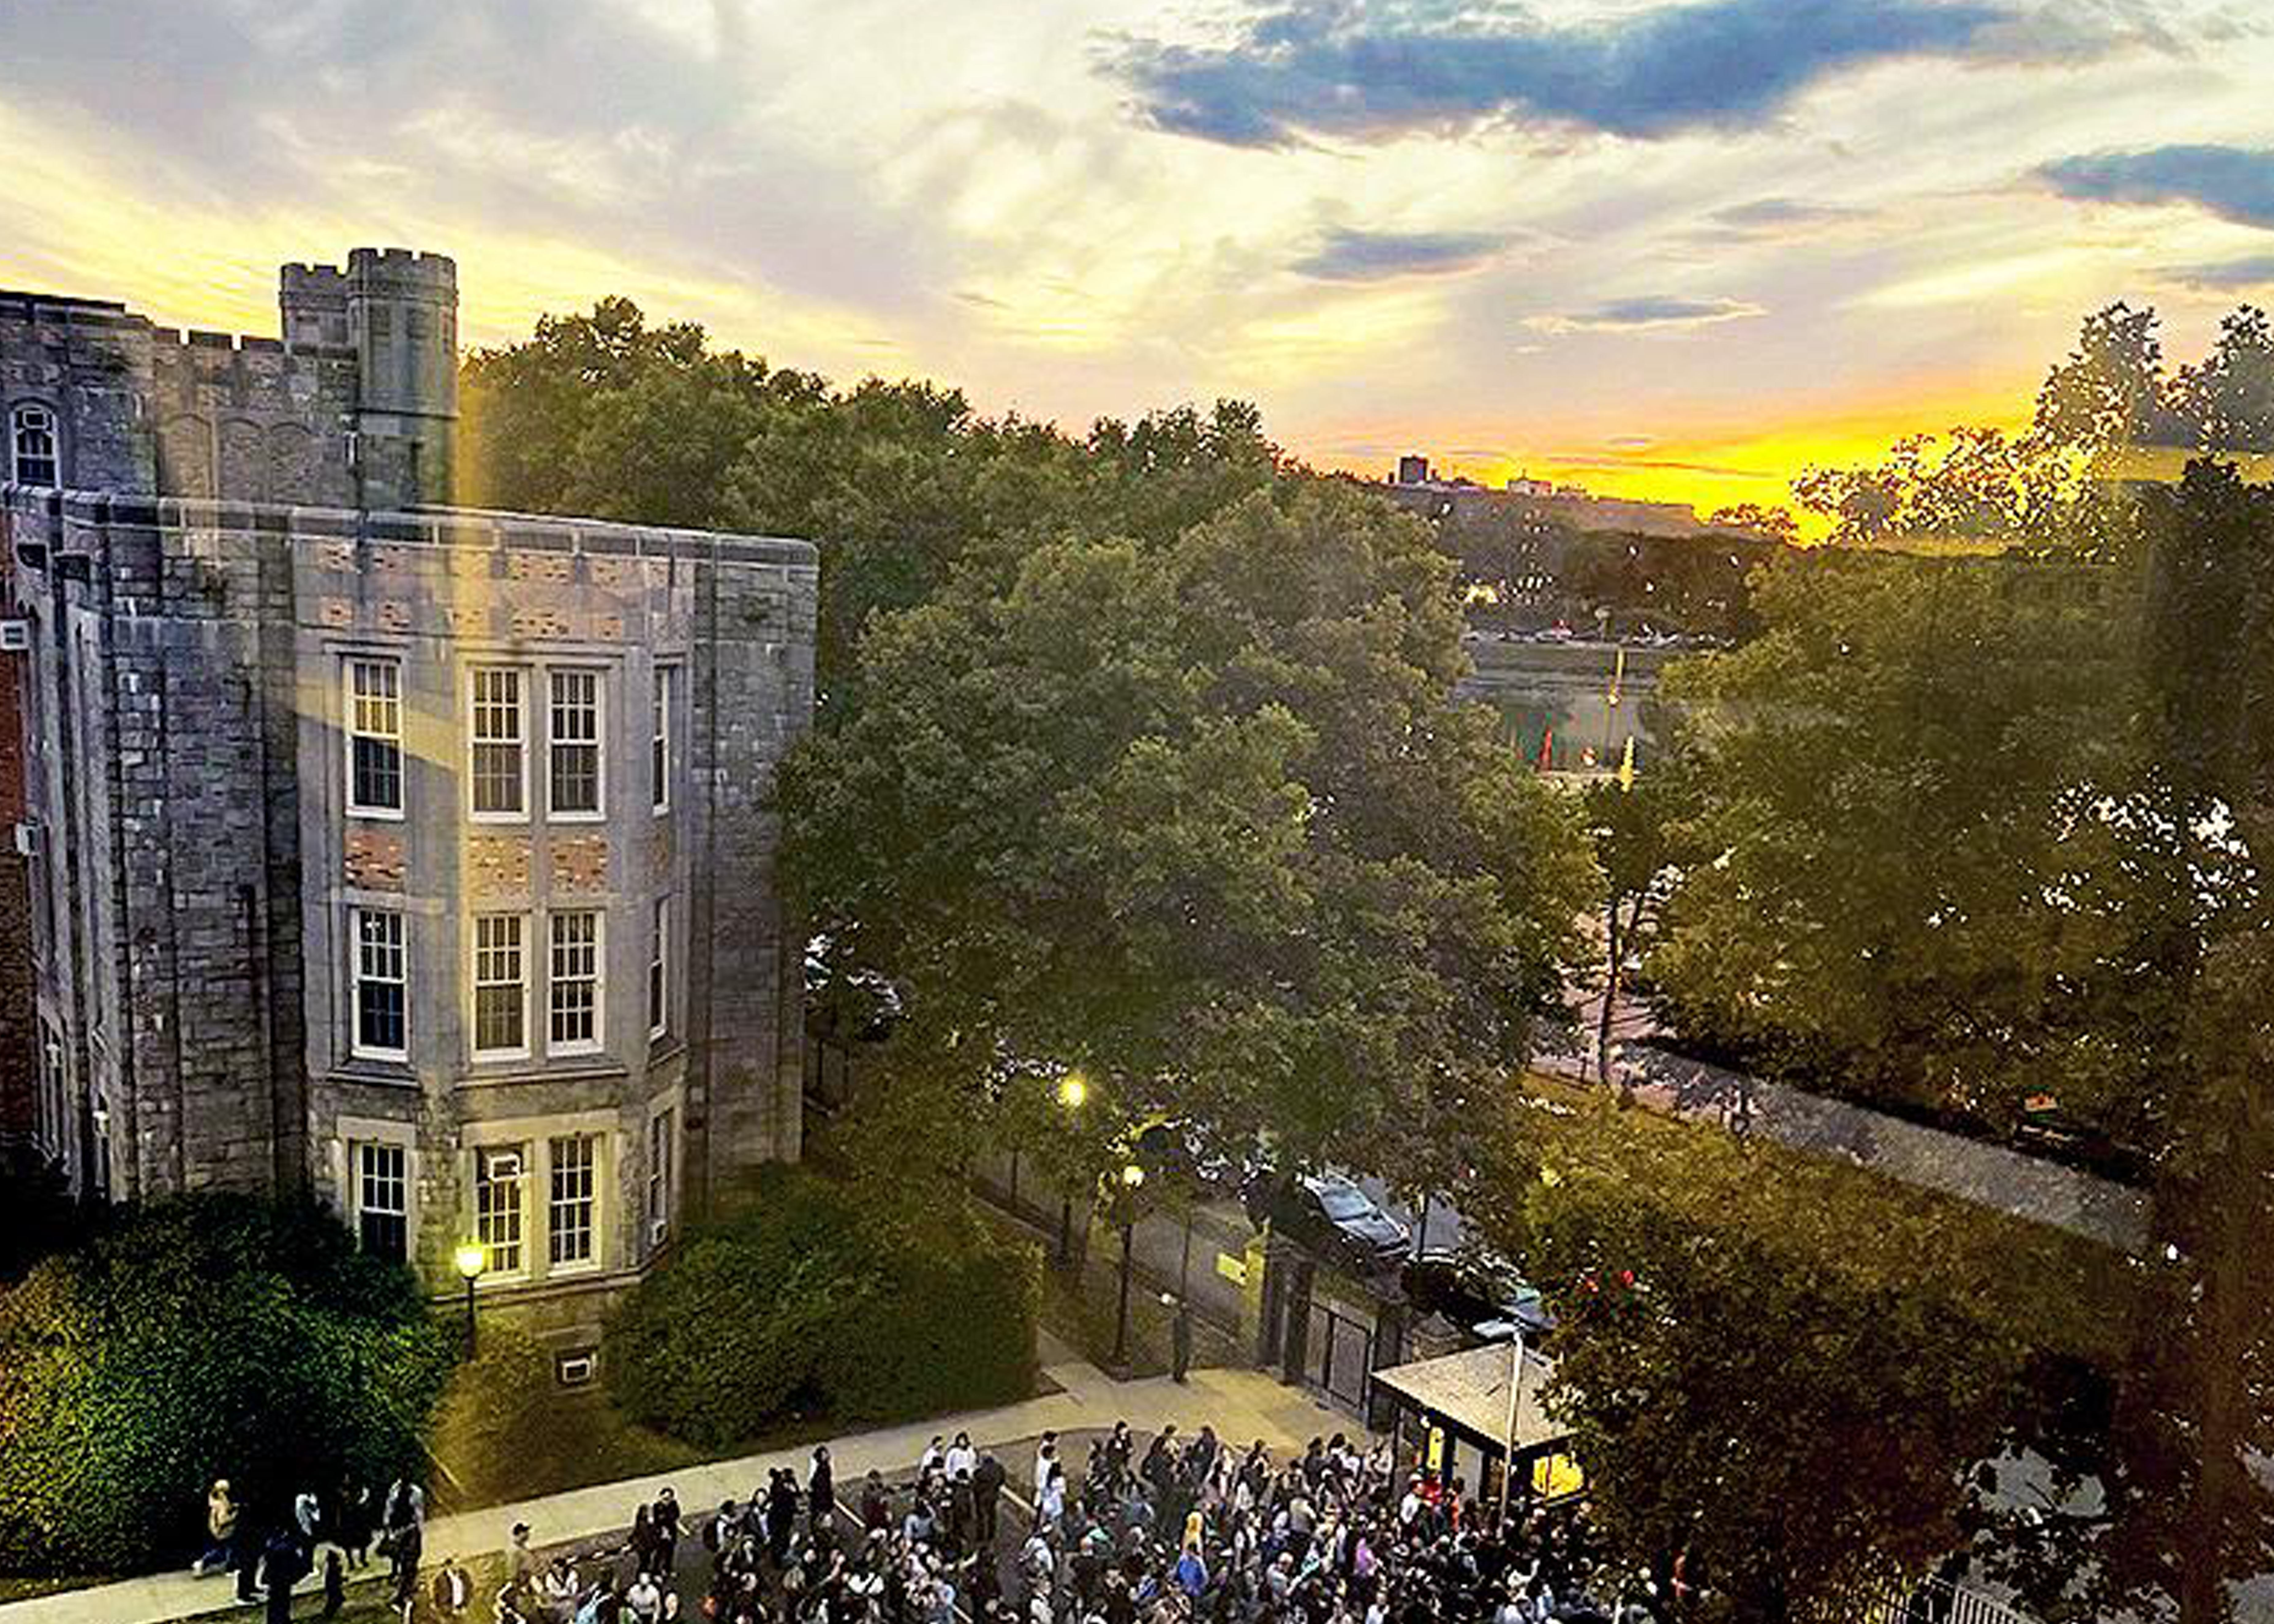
point(1378, 69)
point(1647, 310)
point(1611, 464)
point(2232, 183)
point(2249, 271)
point(1770, 215)
point(1345, 255)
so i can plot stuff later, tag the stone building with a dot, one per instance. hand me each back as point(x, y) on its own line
point(415, 855)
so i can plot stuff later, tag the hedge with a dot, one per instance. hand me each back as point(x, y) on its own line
point(201, 1336)
point(797, 1306)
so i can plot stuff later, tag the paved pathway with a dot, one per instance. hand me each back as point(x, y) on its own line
point(1241, 1405)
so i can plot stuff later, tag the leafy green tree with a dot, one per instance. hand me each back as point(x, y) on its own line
point(200, 1337)
point(1918, 878)
point(2228, 399)
point(1198, 818)
point(1773, 1367)
point(1777, 523)
point(2051, 485)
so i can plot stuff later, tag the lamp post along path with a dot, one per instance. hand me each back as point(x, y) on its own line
point(471, 1257)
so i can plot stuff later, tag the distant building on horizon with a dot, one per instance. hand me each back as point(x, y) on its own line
point(415, 856)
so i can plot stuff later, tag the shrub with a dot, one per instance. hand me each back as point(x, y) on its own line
point(796, 1303)
point(201, 1336)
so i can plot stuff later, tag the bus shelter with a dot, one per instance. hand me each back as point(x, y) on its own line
point(1450, 1415)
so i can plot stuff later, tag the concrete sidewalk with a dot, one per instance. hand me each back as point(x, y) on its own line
point(1242, 1405)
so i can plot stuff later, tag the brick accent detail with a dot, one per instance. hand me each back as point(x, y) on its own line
point(374, 859)
point(580, 862)
point(497, 866)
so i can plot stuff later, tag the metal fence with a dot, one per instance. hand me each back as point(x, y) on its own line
point(1921, 1601)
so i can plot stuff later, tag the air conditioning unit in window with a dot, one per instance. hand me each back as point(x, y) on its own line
point(501, 1163)
point(575, 1370)
point(15, 637)
point(27, 839)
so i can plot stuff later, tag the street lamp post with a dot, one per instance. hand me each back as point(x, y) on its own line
point(471, 1257)
point(1131, 1176)
point(1073, 1089)
point(1515, 1400)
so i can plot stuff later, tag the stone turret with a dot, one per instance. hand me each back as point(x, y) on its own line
point(402, 319)
point(398, 311)
point(313, 299)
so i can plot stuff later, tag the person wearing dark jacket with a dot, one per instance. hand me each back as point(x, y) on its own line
point(821, 1491)
point(281, 1565)
point(986, 1489)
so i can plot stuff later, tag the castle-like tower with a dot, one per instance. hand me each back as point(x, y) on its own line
point(398, 311)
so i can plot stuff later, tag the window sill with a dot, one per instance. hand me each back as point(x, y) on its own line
point(386, 1071)
point(376, 815)
point(576, 817)
point(560, 1070)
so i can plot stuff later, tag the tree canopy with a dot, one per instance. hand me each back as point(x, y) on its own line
point(1198, 818)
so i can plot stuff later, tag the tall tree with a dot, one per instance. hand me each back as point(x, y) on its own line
point(1198, 817)
point(1911, 882)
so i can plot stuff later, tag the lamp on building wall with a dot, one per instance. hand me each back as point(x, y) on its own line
point(471, 1257)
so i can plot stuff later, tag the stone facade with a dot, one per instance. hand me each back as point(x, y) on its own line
point(418, 856)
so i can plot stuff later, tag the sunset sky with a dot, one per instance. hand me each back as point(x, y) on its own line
point(1674, 250)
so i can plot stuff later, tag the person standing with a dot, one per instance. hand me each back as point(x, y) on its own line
point(453, 1592)
point(356, 1518)
point(281, 1565)
point(1180, 1342)
point(335, 1582)
point(666, 1534)
point(986, 1491)
point(821, 1493)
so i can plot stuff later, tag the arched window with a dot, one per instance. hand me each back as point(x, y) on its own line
point(32, 444)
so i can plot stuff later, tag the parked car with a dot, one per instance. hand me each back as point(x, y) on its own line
point(1329, 1216)
point(1477, 1290)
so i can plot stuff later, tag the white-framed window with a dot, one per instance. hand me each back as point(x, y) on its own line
point(573, 986)
point(34, 446)
point(500, 1216)
point(382, 1199)
point(572, 738)
point(659, 968)
point(382, 985)
point(500, 985)
point(571, 1211)
point(658, 748)
point(661, 1142)
point(497, 766)
point(374, 708)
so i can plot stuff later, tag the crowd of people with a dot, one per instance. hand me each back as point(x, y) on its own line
point(270, 1554)
point(1185, 1529)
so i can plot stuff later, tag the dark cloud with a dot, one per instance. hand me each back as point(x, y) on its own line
point(2233, 182)
point(1344, 255)
point(1649, 310)
point(1378, 69)
point(2250, 271)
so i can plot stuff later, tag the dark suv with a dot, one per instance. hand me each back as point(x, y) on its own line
point(1329, 1216)
point(1479, 1292)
